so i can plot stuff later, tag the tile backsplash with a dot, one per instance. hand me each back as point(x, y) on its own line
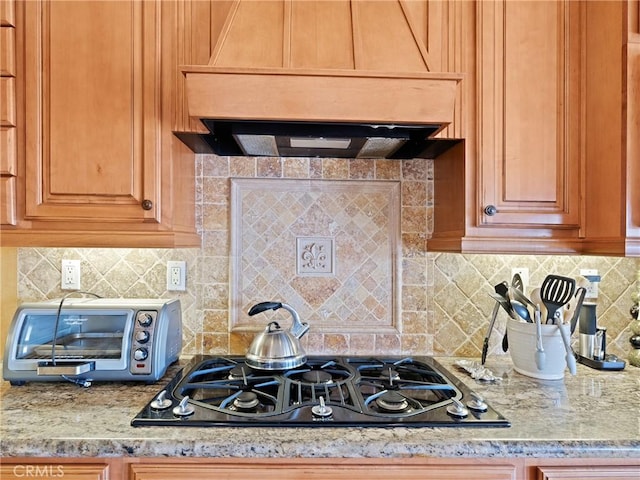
point(382, 294)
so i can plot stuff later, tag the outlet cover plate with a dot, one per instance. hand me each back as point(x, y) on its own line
point(176, 275)
point(70, 275)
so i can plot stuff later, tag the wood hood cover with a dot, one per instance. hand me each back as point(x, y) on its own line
point(339, 78)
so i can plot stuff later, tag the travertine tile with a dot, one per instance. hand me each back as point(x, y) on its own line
point(388, 169)
point(444, 303)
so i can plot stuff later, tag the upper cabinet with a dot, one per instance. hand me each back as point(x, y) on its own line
point(8, 109)
point(528, 118)
point(612, 128)
point(551, 157)
point(98, 164)
point(632, 137)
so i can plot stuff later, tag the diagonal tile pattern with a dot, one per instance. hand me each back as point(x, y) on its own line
point(357, 216)
point(443, 305)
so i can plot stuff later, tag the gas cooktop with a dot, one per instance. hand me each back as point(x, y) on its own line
point(324, 392)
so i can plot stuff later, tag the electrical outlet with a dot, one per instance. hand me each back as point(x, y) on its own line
point(177, 275)
point(70, 275)
point(524, 275)
point(592, 275)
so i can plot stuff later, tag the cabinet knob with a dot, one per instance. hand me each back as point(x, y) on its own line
point(147, 204)
point(490, 210)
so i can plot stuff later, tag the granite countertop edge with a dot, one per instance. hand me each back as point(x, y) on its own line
point(73, 448)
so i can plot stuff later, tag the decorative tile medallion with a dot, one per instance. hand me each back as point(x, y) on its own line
point(326, 247)
point(315, 257)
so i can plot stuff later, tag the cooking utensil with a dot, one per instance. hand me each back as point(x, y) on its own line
point(485, 343)
point(540, 355)
point(521, 310)
point(275, 348)
point(570, 358)
point(574, 310)
point(537, 300)
point(556, 291)
point(502, 289)
point(506, 305)
point(516, 282)
point(524, 301)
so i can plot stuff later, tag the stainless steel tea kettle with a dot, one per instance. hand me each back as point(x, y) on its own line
point(275, 348)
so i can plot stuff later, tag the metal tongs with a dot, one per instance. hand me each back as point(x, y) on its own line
point(485, 343)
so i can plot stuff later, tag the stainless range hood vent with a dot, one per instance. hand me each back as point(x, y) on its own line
point(285, 81)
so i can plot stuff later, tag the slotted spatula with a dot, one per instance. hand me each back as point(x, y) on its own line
point(555, 292)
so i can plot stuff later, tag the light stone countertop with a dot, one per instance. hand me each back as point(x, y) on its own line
point(593, 414)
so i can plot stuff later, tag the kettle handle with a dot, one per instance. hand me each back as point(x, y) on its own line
point(263, 307)
point(298, 329)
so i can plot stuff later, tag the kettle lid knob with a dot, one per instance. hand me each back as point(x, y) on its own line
point(273, 326)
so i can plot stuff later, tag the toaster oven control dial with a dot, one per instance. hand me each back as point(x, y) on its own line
point(141, 354)
point(145, 319)
point(142, 336)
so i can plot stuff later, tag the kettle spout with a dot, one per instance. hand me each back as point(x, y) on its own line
point(298, 329)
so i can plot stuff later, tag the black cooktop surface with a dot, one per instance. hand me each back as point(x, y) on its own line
point(324, 392)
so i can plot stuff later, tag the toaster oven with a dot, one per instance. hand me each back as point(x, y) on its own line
point(93, 339)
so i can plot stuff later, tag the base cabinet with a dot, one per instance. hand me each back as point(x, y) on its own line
point(588, 473)
point(335, 469)
point(413, 468)
point(54, 470)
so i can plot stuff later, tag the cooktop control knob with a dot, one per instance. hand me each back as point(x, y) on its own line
point(145, 319)
point(142, 336)
point(321, 410)
point(477, 403)
point(457, 409)
point(141, 354)
point(183, 409)
point(161, 402)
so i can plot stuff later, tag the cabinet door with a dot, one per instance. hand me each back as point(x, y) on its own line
point(633, 143)
point(92, 100)
point(596, 472)
point(8, 109)
point(53, 470)
point(282, 471)
point(528, 117)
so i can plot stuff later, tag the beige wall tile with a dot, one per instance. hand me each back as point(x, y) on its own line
point(443, 308)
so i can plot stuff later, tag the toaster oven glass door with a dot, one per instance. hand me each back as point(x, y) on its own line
point(78, 336)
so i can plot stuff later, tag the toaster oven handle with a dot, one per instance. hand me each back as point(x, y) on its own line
point(65, 368)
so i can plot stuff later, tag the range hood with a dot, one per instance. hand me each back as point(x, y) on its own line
point(327, 78)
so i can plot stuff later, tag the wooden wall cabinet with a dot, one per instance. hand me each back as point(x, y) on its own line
point(551, 159)
point(518, 176)
point(98, 163)
point(612, 128)
point(8, 109)
point(631, 134)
